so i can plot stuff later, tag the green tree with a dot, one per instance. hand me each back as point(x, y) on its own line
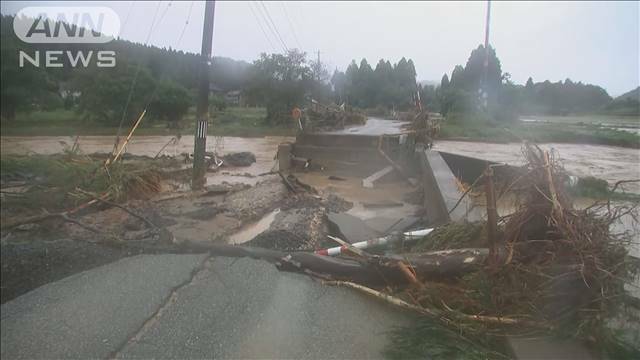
point(444, 83)
point(339, 83)
point(22, 88)
point(281, 81)
point(171, 102)
point(105, 93)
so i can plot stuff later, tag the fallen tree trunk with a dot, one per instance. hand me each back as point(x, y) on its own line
point(443, 263)
point(443, 315)
point(379, 270)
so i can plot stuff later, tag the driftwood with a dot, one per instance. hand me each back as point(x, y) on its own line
point(433, 312)
point(124, 208)
point(443, 263)
point(288, 184)
point(374, 270)
point(47, 215)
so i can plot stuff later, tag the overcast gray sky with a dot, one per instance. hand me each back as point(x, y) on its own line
point(593, 42)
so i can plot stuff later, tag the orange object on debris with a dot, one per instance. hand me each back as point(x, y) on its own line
point(296, 113)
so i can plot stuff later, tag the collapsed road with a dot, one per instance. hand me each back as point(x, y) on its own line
point(212, 306)
point(356, 184)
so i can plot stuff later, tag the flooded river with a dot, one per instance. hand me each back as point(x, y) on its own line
point(264, 149)
point(610, 163)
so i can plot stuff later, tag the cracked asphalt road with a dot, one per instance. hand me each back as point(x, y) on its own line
point(191, 306)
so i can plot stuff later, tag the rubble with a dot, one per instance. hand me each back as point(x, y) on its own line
point(244, 158)
point(482, 279)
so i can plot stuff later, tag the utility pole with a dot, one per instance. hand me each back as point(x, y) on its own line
point(486, 57)
point(319, 66)
point(202, 107)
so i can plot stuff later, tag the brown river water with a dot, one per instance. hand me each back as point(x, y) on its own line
point(264, 149)
point(610, 163)
point(606, 162)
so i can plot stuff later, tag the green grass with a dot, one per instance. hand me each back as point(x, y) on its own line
point(247, 122)
point(479, 129)
point(234, 121)
point(428, 339)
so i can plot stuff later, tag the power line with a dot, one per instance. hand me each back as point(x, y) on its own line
point(164, 72)
point(126, 20)
point(286, 14)
point(186, 23)
point(164, 13)
point(275, 28)
point(268, 25)
point(261, 27)
point(133, 82)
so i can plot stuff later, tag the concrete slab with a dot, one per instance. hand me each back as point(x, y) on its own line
point(368, 181)
point(350, 228)
point(442, 192)
point(246, 309)
point(387, 225)
point(93, 313)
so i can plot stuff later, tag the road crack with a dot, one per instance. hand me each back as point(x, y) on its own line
point(171, 299)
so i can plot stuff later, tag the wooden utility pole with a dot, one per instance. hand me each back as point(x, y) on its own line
point(202, 107)
point(319, 66)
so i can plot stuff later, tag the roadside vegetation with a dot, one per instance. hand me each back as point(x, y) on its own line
point(60, 182)
point(231, 121)
point(478, 127)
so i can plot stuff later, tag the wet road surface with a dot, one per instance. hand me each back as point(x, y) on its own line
point(374, 126)
point(188, 306)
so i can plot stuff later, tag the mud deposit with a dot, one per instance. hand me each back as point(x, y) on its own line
point(37, 253)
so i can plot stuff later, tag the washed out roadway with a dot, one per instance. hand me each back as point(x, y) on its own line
point(193, 306)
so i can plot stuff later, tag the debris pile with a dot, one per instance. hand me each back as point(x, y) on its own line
point(557, 271)
point(244, 158)
point(545, 269)
point(329, 118)
point(53, 181)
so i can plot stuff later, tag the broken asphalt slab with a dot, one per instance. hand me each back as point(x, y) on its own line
point(181, 306)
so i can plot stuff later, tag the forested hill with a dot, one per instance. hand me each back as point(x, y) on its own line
point(176, 65)
point(176, 70)
point(626, 104)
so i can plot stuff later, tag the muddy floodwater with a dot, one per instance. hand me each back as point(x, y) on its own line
point(610, 163)
point(264, 149)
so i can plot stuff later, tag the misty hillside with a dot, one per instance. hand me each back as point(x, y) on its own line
point(627, 104)
point(633, 94)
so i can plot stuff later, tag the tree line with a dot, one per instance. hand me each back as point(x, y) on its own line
point(165, 79)
point(462, 93)
point(388, 86)
point(166, 82)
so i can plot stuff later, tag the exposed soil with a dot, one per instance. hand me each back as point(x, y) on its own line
point(36, 254)
point(245, 203)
